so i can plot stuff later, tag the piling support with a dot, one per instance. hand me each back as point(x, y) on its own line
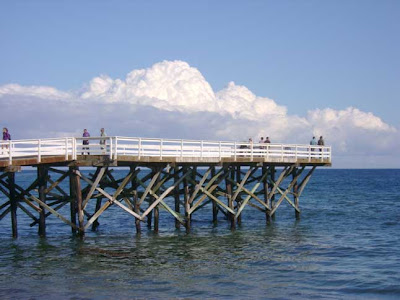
point(266, 191)
point(42, 173)
point(72, 192)
point(150, 215)
point(214, 204)
point(98, 206)
point(13, 204)
point(136, 202)
point(156, 209)
point(228, 185)
point(186, 200)
point(177, 196)
point(295, 194)
point(79, 201)
point(272, 203)
point(239, 201)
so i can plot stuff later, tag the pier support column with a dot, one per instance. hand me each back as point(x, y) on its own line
point(42, 173)
point(98, 206)
point(150, 215)
point(187, 204)
point(78, 198)
point(228, 184)
point(239, 201)
point(273, 171)
point(177, 196)
point(156, 208)
point(214, 204)
point(266, 192)
point(13, 204)
point(72, 193)
point(295, 194)
point(136, 201)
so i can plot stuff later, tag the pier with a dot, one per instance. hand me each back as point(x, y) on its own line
point(182, 177)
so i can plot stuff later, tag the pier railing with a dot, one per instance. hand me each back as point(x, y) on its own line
point(71, 148)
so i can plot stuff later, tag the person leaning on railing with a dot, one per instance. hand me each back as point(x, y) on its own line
point(85, 142)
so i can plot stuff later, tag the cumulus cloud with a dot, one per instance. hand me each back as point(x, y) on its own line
point(172, 99)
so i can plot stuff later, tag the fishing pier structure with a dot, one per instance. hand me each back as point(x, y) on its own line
point(179, 176)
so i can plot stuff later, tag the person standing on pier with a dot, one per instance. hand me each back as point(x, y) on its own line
point(267, 140)
point(6, 137)
point(102, 141)
point(261, 141)
point(85, 142)
point(313, 142)
point(321, 142)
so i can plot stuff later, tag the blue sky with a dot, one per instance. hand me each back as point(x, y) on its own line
point(305, 55)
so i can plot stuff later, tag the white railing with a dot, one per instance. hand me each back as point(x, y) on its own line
point(71, 147)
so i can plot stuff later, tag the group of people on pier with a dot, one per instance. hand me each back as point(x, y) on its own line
point(313, 141)
point(86, 134)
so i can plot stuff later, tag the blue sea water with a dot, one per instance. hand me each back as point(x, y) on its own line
point(346, 246)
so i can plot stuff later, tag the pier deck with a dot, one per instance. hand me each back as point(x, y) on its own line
point(180, 176)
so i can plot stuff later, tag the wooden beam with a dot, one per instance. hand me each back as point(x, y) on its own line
point(176, 196)
point(285, 192)
point(54, 212)
point(42, 174)
point(99, 176)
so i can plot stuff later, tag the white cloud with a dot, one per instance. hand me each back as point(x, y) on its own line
point(173, 99)
point(42, 92)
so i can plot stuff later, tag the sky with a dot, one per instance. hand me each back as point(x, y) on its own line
point(224, 70)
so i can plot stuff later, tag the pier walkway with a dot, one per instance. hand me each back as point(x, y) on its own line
point(179, 176)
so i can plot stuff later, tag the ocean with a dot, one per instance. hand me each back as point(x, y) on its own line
point(345, 246)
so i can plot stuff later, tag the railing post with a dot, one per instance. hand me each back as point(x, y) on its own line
point(116, 148)
point(39, 150)
point(322, 153)
point(161, 150)
point(234, 151)
point(251, 151)
point(10, 152)
point(201, 150)
point(295, 154)
point(330, 154)
point(111, 148)
point(66, 148)
point(139, 147)
point(309, 153)
point(181, 148)
point(282, 152)
point(267, 154)
point(220, 154)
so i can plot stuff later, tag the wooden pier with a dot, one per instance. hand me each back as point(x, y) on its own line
point(179, 176)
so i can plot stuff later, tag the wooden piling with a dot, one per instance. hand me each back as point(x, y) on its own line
point(150, 215)
point(177, 196)
point(186, 201)
point(266, 191)
point(136, 203)
point(228, 185)
point(42, 173)
point(72, 191)
point(156, 208)
point(13, 204)
point(295, 194)
point(272, 203)
point(239, 198)
point(214, 204)
point(98, 206)
point(79, 201)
